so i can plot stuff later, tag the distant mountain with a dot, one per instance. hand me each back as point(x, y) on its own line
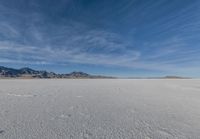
point(175, 77)
point(8, 72)
point(30, 73)
point(165, 77)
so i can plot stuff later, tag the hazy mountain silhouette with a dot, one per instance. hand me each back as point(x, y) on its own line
point(31, 73)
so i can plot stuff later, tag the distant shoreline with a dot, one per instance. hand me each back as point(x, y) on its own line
point(158, 78)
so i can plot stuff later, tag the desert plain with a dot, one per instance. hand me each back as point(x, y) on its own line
point(99, 109)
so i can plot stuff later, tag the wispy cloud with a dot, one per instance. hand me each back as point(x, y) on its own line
point(96, 47)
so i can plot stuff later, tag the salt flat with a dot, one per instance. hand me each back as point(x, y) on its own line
point(99, 109)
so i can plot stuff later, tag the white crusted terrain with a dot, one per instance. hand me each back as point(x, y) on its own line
point(99, 109)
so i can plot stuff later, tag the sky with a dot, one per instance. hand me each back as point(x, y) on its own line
point(126, 38)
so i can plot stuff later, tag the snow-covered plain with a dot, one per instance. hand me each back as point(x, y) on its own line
point(99, 109)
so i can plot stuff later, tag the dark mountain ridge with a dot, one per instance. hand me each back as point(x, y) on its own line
point(30, 73)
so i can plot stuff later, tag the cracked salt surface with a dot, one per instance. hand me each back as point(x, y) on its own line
point(99, 109)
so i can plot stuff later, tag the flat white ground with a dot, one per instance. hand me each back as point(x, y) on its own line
point(99, 109)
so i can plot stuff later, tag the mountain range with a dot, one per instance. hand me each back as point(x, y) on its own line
point(26, 72)
point(31, 73)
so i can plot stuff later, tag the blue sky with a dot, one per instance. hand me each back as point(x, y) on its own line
point(110, 37)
